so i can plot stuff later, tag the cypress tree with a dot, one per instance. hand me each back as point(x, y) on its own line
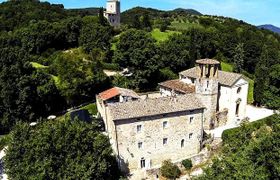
point(238, 58)
point(261, 81)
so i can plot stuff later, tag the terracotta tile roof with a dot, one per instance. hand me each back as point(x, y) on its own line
point(108, 94)
point(152, 107)
point(207, 61)
point(178, 86)
point(224, 78)
point(116, 91)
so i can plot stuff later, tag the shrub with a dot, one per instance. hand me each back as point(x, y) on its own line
point(187, 163)
point(170, 170)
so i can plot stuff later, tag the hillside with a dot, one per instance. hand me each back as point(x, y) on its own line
point(93, 11)
point(129, 15)
point(270, 27)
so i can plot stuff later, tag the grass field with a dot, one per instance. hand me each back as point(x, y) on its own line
point(226, 67)
point(251, 91)
point(162, 36)
point(181, 26)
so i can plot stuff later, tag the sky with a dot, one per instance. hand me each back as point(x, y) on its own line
point(256, 12)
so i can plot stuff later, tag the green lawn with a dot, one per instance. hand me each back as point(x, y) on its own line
point(226, 67)
point(251, 91)
point(181, 26)
point(162, 36)
point(38, 66)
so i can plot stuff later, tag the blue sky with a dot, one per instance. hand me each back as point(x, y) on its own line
point(252, 11)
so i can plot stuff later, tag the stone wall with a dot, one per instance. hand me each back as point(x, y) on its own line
point(153, 150)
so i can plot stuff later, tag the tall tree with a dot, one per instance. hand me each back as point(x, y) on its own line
point(60, 150)
point(262, 80)
point(101, 18)
point(146, 22)
point(238, 58)
point(136, 22)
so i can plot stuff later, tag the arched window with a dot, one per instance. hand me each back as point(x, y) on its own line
point(182, 143)
point(238, 90)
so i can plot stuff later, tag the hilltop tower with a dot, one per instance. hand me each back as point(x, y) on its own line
point(113, 12)
point(206, 88)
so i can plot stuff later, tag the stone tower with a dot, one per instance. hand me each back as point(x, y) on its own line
point(113, 12)
point(206, 88)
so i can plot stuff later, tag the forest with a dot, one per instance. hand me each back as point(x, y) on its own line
point(52, 59)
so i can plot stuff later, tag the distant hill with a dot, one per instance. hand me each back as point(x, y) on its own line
point(128, 15)
point(270, 27)
point(187, 11)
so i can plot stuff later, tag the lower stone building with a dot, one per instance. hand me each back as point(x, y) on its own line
point(143, 133)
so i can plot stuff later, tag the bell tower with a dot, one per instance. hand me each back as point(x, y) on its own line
point(206, 88)
point(113, 12)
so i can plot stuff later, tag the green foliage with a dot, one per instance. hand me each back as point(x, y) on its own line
point(79, 78)
point(162, 36)
point(38, 66)
point(187, 163)
point(4, 141)
point(167, 74)
point(60, 150)
point(136, 50)
point(92, 108)
point(249, 152)
point(25, 94)
point(238, 58)
point(226, 67)
point(170, 170)
point(95, 36)
point(16, 14)
point(121, 81)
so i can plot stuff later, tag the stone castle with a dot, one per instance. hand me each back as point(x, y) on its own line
point(144, 131)
point(113, 12)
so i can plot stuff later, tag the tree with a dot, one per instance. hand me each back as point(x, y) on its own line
point(136, 22)
point(254, 156)
point(60, 150)
point(80, 79)
point(25, 94)
point(238, 58)
point(95, 36)
point(175, 53)
point(261, 81)
point(101, 18)
point(146, 23)
point(170, 170)
point(137, 51)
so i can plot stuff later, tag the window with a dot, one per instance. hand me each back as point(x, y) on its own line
point(182, 143)
point(142, 163)
point(139, 128)
point(191, 119)
point(238, 90)
point(190, 135)
point(207, 84)
point(140, 145)
point(164, 124)
point(164, 141)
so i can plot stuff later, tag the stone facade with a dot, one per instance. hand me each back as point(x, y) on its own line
point(183, 132)
point(224, 94)
point(113, 12)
